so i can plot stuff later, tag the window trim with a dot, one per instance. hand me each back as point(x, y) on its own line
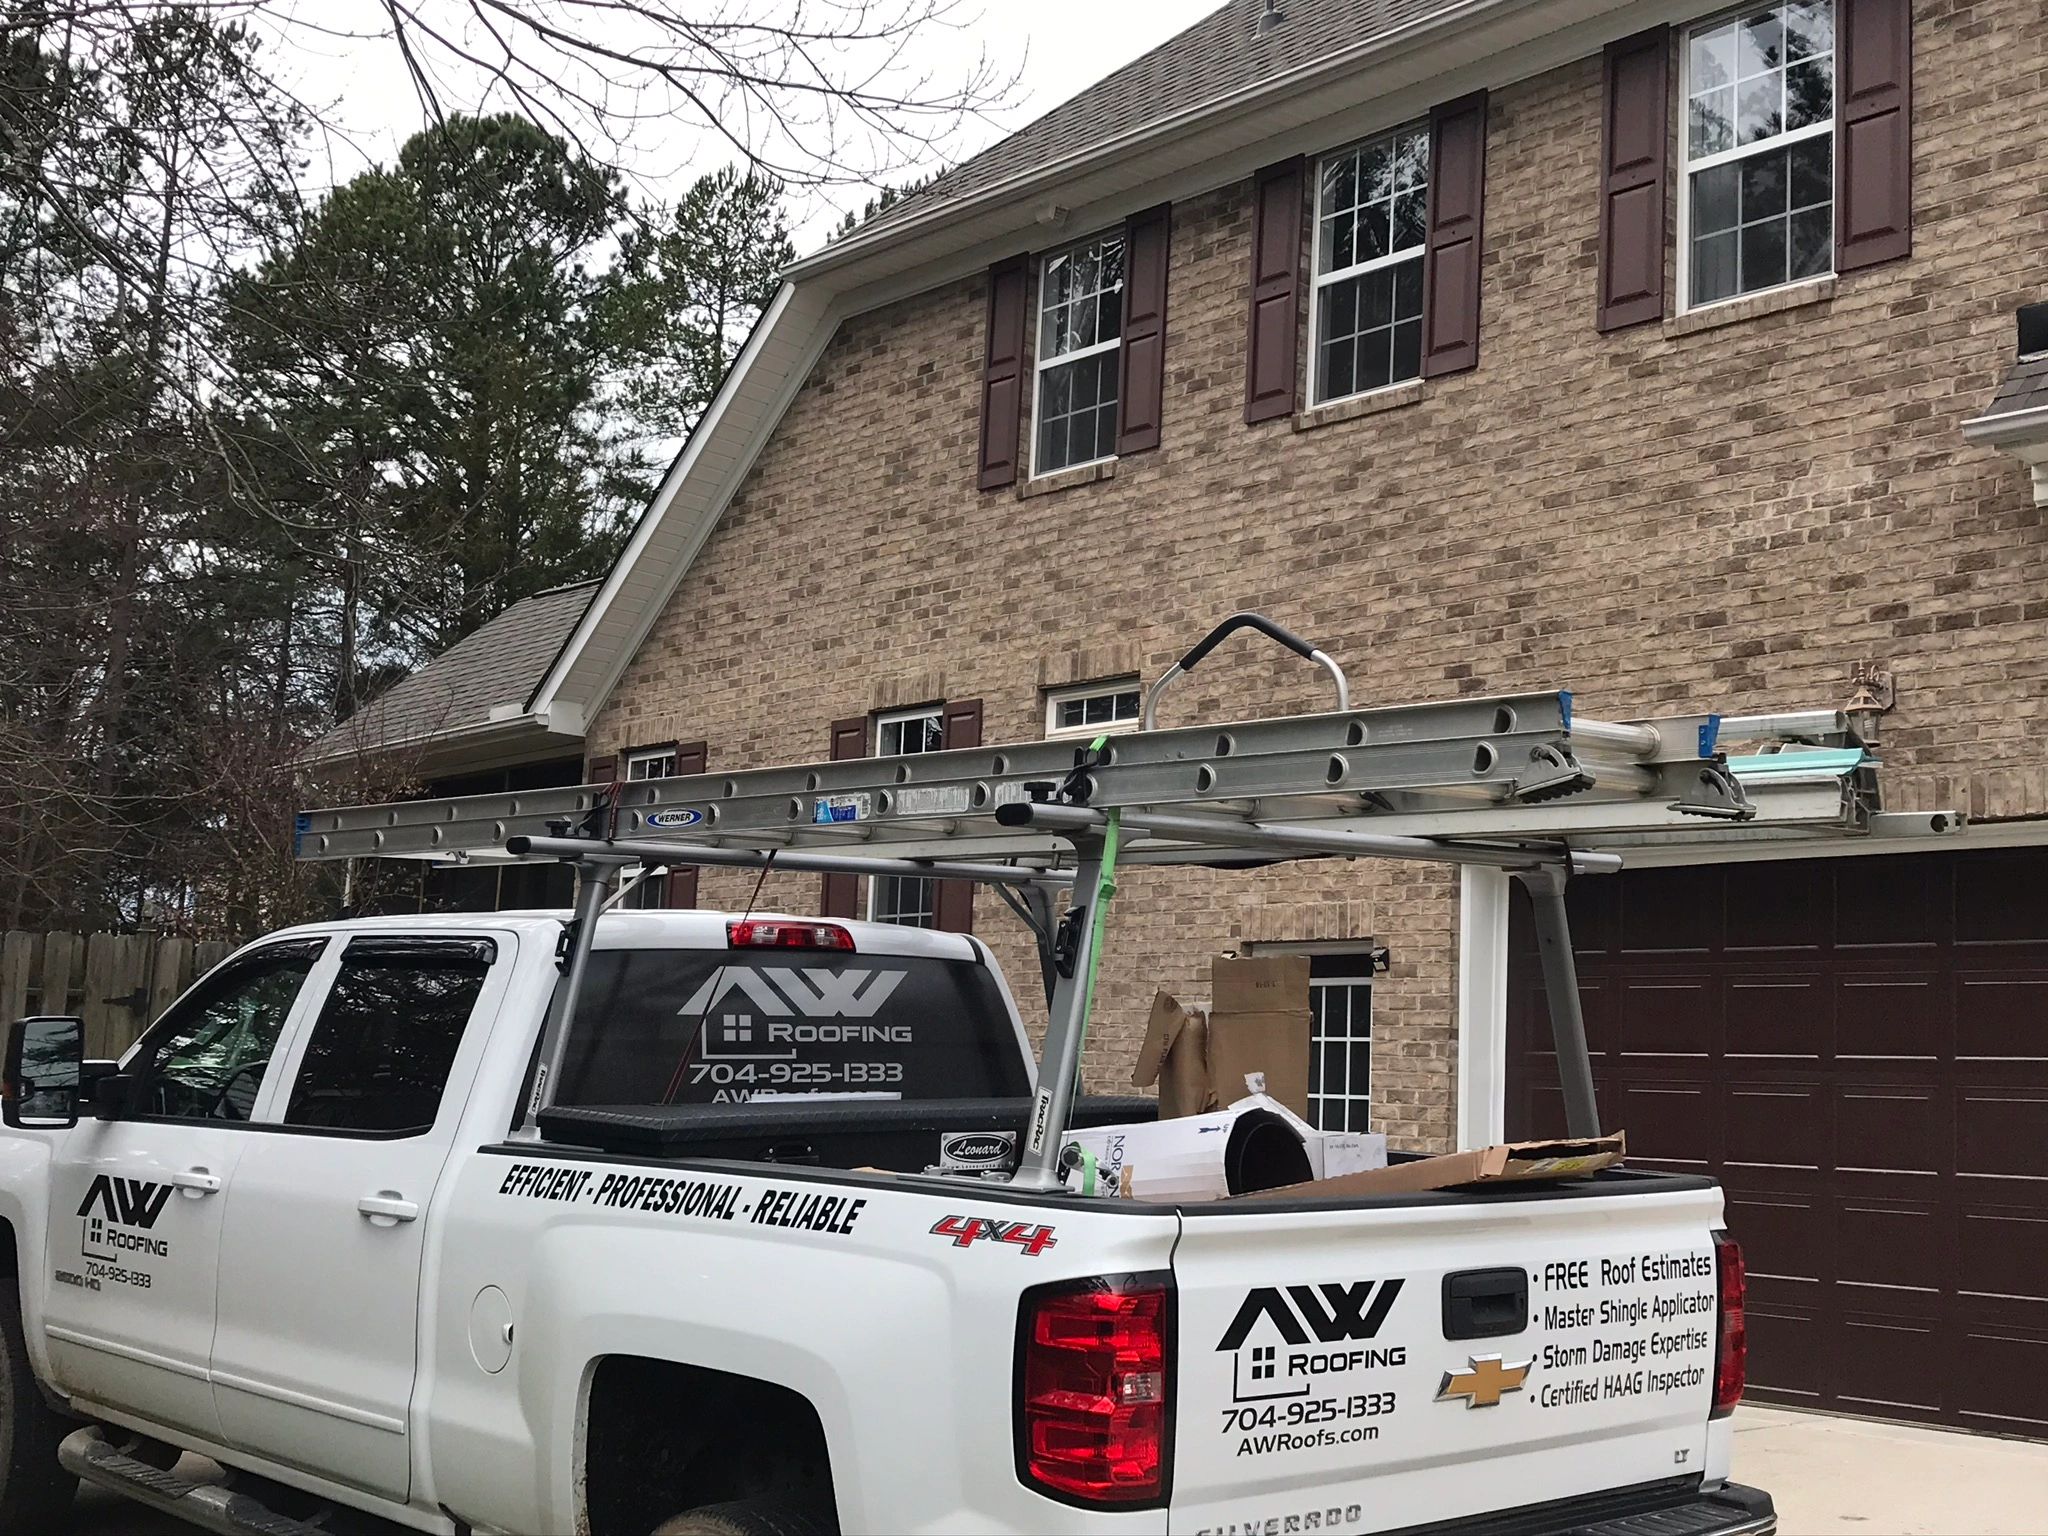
point(881, 720)
point(1040, 363)
point(645, 755)
point(1096, 688)
point(1318, 280)
point(1364, 952)
point(1688, 167)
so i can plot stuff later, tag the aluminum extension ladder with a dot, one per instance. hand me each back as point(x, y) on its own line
point(1519, 782)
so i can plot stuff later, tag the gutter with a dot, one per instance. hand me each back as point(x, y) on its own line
point(518, 727)
point(2008, 426)
point(912, 227)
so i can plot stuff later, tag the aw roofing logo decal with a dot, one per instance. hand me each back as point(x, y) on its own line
point(1331, 1313)
point(116, 1212)
point(783, 1003)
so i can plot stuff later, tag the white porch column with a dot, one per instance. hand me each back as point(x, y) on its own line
point(1482, 1005)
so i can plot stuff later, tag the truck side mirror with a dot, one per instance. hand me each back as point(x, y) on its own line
point(45, 1068)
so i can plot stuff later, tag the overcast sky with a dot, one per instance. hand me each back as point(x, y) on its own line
point(1056, 47)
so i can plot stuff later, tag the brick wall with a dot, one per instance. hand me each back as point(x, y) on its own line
point(1674, 517)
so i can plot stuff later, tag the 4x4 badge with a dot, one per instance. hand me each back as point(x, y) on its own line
point(1483, 1385)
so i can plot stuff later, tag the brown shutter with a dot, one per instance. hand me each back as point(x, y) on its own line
point(1635, 143)
point(1141, 366)
point(1450, 273)
point(1874, 111)
point(839, 895)
point(691, 757)
point(601, 770)
point(954, 904)
point(1002, 372)
point(1273, 345)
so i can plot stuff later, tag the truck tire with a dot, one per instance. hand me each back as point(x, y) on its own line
point(743, 1517)
point(36, 1494)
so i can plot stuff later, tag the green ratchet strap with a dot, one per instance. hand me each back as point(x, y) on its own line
point(1105, 888)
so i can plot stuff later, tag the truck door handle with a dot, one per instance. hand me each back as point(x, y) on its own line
point(197, 1183)
point(386, 1209)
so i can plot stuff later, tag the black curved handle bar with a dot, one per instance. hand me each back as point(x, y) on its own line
point(1232, 625)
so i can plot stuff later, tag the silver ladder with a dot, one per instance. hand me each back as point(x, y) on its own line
point(1519, 782)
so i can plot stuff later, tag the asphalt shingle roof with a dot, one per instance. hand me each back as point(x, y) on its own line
point(1225, 52)
point(2025, 388)
point(498, 664)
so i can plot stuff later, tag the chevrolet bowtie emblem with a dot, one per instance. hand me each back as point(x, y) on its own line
point(1483, 1385)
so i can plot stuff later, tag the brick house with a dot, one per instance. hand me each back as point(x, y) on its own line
point(1620, 345)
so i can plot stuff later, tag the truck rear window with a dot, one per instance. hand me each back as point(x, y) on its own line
point(686, 1026)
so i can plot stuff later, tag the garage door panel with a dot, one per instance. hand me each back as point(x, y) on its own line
point(1890, 1017)
point(2000, 899)
point(1670, 1016)
point(1777, 1126)
point(1776, 908)
point(1788, 1353)
point(1889, 1363)
point(2005, 1368)
point(1662, 914)
point(1675, 1122)
point(1787, 1242)
point(2002, 1258)
point(1782, 1019)
point(2004, 1135)
point(1889, 903)
point(1893, 1246)
point(1892, 1129)
point(2002, 1017)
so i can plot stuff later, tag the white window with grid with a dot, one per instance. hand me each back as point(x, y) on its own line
point(1092, 709)
point(909, 901)
point(1758, 210)
point(1340, 1041)
point(649, 891)
point(1365, 307)
point(654, 763)
point(1080, 335)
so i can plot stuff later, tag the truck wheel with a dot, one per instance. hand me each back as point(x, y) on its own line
point(36, 1494)
point(742, 1517)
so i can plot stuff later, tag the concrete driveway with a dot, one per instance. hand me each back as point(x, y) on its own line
point(1830, 1474)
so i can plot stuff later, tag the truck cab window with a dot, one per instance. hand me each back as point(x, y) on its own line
point(380, 1053)
point(208, 1059)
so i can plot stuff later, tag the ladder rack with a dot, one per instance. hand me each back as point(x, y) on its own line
point(1520, 769)
point(1519, 782)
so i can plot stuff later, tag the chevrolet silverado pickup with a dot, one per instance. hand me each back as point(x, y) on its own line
point(751, 1267)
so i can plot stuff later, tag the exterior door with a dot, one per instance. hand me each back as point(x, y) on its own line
point(1857, 1048)
point(136, 1205)
point(314, 1356)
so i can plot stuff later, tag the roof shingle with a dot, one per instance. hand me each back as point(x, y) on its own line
point(2025, 388)
point(1227, 51)
point(499, 664)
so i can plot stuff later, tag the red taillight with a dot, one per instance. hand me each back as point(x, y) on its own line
point(1094, 1383)
point(778, 933)
point(1731, 1347)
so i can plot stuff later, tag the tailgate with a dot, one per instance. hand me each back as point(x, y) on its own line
point(1369, 1367)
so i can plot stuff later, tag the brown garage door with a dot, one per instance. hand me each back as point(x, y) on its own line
point(1858, 1049)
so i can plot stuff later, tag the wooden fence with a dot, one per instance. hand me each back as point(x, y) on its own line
point(117, 982)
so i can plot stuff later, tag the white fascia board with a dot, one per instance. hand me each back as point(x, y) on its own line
point(757, 389)
point(481, 735)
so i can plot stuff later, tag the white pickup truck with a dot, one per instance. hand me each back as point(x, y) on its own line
point(313, 1227)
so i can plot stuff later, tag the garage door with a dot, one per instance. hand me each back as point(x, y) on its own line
point(1858, 1049)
